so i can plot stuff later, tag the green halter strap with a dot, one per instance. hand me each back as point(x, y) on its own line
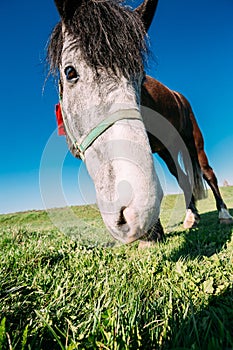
point(99, 129)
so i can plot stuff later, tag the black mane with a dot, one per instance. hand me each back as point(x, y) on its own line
point(109, 35)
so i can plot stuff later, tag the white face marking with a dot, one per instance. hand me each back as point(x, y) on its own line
point(87, 101)
point(120, 160)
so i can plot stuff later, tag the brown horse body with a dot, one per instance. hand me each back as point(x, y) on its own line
point(177, 110)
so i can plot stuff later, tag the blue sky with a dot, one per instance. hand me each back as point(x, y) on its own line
point(192, 42)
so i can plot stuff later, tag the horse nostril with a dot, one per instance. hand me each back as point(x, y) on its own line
point(121, 221)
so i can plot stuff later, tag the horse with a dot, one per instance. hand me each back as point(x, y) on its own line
point(98, 48)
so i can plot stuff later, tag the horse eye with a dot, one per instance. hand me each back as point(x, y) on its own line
point(71, 74)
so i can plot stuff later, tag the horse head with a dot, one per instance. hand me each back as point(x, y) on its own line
point(98, 48)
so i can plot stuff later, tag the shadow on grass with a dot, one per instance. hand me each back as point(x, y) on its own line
point(209, 328)
point(207, 239)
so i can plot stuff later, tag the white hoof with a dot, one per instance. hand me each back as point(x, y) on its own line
point(191, 220)
point(225, 217)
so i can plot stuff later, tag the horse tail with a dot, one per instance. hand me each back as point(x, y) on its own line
point(190, 166)
point(199, 187)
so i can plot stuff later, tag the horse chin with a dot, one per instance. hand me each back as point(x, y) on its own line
point(132, 226)
point(133, 210)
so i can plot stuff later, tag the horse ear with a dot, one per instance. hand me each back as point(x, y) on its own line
point(66, 8)
point(146, 11)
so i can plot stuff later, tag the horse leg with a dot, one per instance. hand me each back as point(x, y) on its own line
point(209, 175)
point(192, 217)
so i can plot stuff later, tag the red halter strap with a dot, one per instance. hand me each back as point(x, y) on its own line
point(60, 123)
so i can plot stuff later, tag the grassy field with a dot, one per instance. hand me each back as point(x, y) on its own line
point(74, 289)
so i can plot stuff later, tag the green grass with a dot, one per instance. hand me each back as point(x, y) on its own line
point(61, 293)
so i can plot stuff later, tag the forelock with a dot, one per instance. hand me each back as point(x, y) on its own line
point(109, 36)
